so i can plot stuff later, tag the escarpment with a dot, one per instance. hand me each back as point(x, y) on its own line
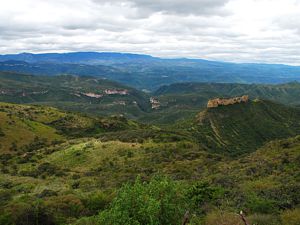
point(213, 103)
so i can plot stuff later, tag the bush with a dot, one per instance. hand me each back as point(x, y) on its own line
point(202, 193)
point(156, 202)
point(47, 193)
point(260, 205)
point(96, 202)
point(222, 218)
point(5, 196)
point(291, 217)
point(27, 213)
point(49, 169)
point(86, 221)
point(66, 206)
point(264, 219)
point(2, 134)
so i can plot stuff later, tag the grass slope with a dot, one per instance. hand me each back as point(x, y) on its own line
point(76, 178)
point(242, 128)
point(29, 127)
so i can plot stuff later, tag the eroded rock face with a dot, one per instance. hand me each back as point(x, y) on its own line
point(226, 101)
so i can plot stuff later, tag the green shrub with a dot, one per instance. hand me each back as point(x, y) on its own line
point(66, 206)
point(47, 193)
point(96, 201)
point(2, 134)
point(291, 217)
point(87, 221)
point(261, 205)
point(203, 193)
point(223, 218)
point(49, 169)
point(153, 203)
point(5, 196)
point(27, 213)
point(264, 219)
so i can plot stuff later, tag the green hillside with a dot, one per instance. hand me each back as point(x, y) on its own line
point(285, 93)
point(83, 94)
point(59, 167)
point(185, 100)
point(26, 127)
point(21, 127)
point(86, 94)
point(80, 180)
point(241, 128)
point(184, 97)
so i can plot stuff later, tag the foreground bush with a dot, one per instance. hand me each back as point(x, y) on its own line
point(153, 203)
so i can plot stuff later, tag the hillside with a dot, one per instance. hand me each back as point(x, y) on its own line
point(285, 93)
point(25, 128)
point(184, 100)
point(241, 128)
point(75, 179)
point(144, 71)
point(84, 94)
point(102, 97)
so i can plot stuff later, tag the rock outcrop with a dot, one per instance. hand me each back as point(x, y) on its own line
point(116, 92)
point(154, 103)
point(213, 103)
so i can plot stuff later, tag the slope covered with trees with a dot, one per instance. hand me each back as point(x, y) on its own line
point(241, 128)
point(116, 171)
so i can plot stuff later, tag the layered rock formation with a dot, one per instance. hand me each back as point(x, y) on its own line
point(226, 101)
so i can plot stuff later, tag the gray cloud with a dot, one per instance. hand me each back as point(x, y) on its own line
point(194, 7)
point(227, 30)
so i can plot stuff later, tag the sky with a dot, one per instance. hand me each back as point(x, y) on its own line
point(224, 30)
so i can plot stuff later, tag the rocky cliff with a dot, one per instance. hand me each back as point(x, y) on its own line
point(226, 101)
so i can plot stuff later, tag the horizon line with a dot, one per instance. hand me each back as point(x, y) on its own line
point(153, 56)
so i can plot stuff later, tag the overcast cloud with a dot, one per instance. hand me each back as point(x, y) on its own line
point(227, 30)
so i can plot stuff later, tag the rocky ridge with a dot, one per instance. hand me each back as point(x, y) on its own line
point(213, 103)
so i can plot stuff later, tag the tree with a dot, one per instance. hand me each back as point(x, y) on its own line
point(153, 203)
point(203, 193)
point(2, 134)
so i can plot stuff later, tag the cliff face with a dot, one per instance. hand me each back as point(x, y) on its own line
point(229, 101)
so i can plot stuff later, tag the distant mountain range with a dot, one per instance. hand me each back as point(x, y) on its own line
point(144, 71)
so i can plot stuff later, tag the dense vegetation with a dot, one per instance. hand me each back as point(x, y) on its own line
point(27, 127)
point(244, 127)
point(285, 93)
point(77, 169)
point(84, 150)
point(84, 94)
point(176, 102)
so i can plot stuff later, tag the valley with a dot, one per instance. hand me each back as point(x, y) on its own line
point(86, 150)
point(150, 112)
point(69, 166)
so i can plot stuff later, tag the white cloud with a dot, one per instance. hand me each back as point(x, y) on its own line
point(228, 30)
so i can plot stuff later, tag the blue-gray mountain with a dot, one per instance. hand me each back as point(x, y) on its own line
point(146, 72)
